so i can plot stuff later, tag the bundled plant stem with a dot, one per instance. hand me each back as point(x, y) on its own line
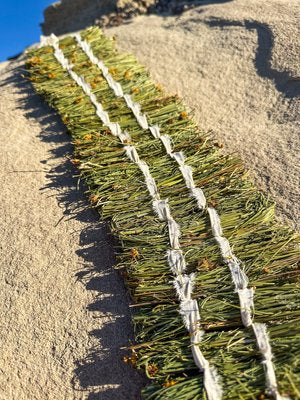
point(270, 252)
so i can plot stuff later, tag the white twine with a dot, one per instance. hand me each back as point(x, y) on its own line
point(246, 298)
point(239, 278)
point(183, 283)
point(186, 170)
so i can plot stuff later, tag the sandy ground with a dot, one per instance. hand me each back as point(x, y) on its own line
point(65, 313)
point(237, 66)
point(64, 310)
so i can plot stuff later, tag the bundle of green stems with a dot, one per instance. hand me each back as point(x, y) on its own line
point(116, 187)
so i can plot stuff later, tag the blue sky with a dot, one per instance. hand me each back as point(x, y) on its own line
point(19, 24)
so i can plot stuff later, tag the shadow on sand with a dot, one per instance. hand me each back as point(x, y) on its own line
point(102, 374)
point(284, 83)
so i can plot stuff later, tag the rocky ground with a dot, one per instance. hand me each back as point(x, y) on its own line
point(70, 15)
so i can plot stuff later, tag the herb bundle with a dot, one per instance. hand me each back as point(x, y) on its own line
point(270, 252)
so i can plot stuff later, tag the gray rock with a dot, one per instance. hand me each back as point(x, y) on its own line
point(71, 15)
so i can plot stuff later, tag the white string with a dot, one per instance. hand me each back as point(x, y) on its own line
point(240, 279)
point(246, 298)
point(183, 283)
point(142, 121)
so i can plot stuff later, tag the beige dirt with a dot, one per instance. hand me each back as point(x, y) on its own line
point(65, 311)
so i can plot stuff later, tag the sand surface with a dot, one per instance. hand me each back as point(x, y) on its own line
point(65, 312)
